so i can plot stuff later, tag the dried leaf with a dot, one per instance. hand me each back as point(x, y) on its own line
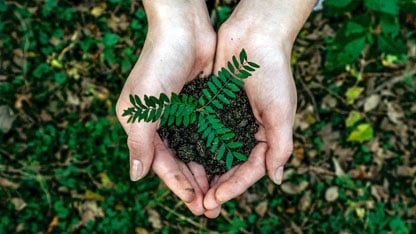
point(331, 194)
point(18, 203)
point(140, 230)
point(305, 201)
point(154, 219)
point(261, 208)
point(54, 223)
point(90, 195)
point(293, 189)
point(5, 183)
point(371, 102)
point(338, 169)
point(6, 118)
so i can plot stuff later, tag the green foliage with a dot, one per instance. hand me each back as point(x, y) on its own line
point(183, 110)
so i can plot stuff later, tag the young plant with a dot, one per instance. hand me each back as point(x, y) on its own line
point(183, 110)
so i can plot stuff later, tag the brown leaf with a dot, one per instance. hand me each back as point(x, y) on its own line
point(261, 208)
point(154, 219)
point(18, 203)
point(293, 189)
point(140, 230)
point(54, 223)
point(6, 118)
point(331, 194)
point(371, 102)
point(305, 201)
point(8, 184)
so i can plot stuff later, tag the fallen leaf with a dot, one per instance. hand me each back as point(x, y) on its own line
point(19, 204)
point(154, 219)
point(293, 189)
point(261, 208)
point(6, 118)
point(90, 195)
point(5, 183)
point(54, 223)
point(371, 102)
point(338, 169)
point(363, 132)
point(353, 117)
point(331, 194)
point(305, 201)
point(353, 93)
point(140, 230)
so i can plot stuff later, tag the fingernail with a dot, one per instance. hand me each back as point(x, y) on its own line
point(278, 175)
point(136, 170)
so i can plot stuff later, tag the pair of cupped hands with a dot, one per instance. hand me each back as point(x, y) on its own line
point(180, 47)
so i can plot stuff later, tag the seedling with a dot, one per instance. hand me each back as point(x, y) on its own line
point(183, 110)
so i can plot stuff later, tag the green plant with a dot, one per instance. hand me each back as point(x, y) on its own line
point(183, 110)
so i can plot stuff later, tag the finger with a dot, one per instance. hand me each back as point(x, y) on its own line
point(279, 133)
point(168, 169)
point(212, 214)
point(210, 201)
point(200, 176)
point(141, 147)
point(239, 180)
point(177, 176)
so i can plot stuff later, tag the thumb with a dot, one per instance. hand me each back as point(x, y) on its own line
point(280, 147)
point(139, 141)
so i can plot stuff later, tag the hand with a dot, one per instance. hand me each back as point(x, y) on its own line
point(180, 45)
point(271, 90)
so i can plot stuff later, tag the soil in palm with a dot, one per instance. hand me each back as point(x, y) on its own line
point(187, 142)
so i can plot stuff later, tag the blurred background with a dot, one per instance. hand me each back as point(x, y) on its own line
point(64, 158)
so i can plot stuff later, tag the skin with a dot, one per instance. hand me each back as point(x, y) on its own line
point(180, 46)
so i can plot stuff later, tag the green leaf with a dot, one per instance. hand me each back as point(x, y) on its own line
point(224, 99)
point(214, 145)
point(163, 99)
point(210, 139)
point(149, 101)
point(207, 94)
point(353, 93)
point(230, 67)
point(240, 156)
point(236, 81)
point(248, 68)
point(110, 39)
point(243, 56)
point(217, 104)
point(229, 93)
point(229, 160)
point(234, 145)
point(206, 132)
point(186, 120)
point(385, 6)
point(243, 74)
point(216, 81)
point(221, 152)
point(212, 87)
point(193, 117)
point(353, 117)
point(151, 116)
point(178, 120)
point(201, 101)
point(233, 87)
point(171, 120)
point(165, 115)
point(158, 113)
point(227, 136)
point(254, 65)
point(235, 62)
point(173, 109)
point(363, 132)
point(138, 102)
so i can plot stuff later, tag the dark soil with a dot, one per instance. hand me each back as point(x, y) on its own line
point(187, 142)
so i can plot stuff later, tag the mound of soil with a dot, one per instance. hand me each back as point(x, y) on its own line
point(187, 142)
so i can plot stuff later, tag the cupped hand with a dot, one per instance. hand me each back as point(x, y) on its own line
point(266, 30)
point(177, 49)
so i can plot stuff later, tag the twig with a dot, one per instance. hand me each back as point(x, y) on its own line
point(394, 80)
point(182, 217)
point(310, 94)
